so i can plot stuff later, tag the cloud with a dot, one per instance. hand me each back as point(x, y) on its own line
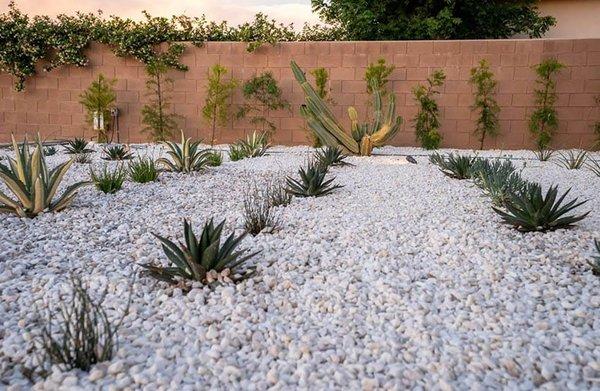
point(238, 11)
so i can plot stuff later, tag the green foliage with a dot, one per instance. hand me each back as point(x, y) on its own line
point(377, 75)
point(50, 151)
point(214, 158)
point(321, 76)
point(533, 211)
point(544, 120)
point(499, 180)
point(312, 182)
point(425, 20)
point(595, 263)
point(202, 259)
point(187, 157)
point(454, 166)
point(218, 96)
point(77, 146)
point(262, 95)
point(330, 156)
point(117, 152)
point(143, 170)
point(255, 145)
point(573, 160)
point(99, 98)
point(363, 137)
point(485, 102)
point(543, 154)
point(107, 181)
point(236, 152)
point(157, 115)
point(34, 186)
point(258, 210)
point(77, 333)
point(427, 120)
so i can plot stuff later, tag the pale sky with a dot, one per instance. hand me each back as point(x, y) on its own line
point(234, 11)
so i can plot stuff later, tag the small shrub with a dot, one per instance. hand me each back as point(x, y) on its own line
point(543, 154)
point(218, 96)
point(312, 182)
point(77, 146)
point(83, 158)
point(594, 166)
point(117, 152)
point(34, 186)
point(205, 259)
point(187, 157)
point(214, 158)
point(99, 97)
point(143, 170)
point(454, 166)
point(107, 181)
point(572, 160)
point(330, 156)
point(376, 76)
point(534, 211)
point(485, 103)
point(50, 151)
point(427, 121)
point(544, 120)
point(595, 263)
point(258, 210)
point(77, 333)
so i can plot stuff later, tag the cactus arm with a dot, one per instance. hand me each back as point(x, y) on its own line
point(332, 127)
point(377, 111)
point(326, 136)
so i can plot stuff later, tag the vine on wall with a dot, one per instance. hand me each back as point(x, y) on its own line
point(25, 41)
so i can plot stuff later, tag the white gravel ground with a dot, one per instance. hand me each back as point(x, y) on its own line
point(404, 278)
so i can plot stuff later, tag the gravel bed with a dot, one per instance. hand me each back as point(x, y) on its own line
point(403, 278)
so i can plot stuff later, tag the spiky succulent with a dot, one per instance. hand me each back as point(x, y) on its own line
point(186, 157)
point(330, 156)
point(83, 158)
point(117, 152)
point(454, 166)
point(50, 151)
point(543, 154)
point(28, 178)
point(107, 181)
point(195, 259)
point(594, 166)
point(533, 211)
point(143, 170)
point(255, 145)
point(77, 146)
point(312, 182)
point(498, 179)
point(214, 158)
point(573, 160)
point(595, 263)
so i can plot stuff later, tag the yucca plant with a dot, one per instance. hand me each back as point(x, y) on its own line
point(77, 146)
point(199, 259)
point(214, 158)
point(454, 166)
point(363, 137)
point(186, 157)
point(594, 166)
point(595, 263)
point(573, 160)
point(107, 181)
point(312, 182)
point(143, 170)
point(331, 156)
point(533, 211)
point(117, 152)
point(50, 151)
point(28, 178)
point(543, 154)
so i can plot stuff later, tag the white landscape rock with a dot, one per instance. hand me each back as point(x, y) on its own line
point(403, 278)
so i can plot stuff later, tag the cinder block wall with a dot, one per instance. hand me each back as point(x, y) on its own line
point(50, 102)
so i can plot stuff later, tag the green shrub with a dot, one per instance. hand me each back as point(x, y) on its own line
point(99, 97)
point(454, 166)
point(427, 121)
point(218, 95)
point(117, 152)
point(485, 103)
point(143, 170)
point(312, 182)
point(544, 120)
point(107, 181)
point(376, 76)
point(202, 259)
point(572, 160)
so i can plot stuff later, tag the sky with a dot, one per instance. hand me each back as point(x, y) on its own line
point(234, 11)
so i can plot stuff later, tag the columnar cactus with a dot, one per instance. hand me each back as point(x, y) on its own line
point(363, 137)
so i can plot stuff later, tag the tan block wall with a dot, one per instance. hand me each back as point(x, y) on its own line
point(50, 105)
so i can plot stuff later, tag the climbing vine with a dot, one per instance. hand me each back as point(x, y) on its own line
point(26, 41)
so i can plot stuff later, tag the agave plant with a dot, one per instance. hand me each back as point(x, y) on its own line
point(195, 259)
point(28, 178)
point(594, 166)
point(255, 145)
point(77, 146)
point(312, 182)
point(363, 137)
point(573, 160)
point(187, 157)
point(50, 151)
point(454, 166)
point(534, 211)
point(117, 152)
point(330, 156)
point(595, 264)
point(499, 181)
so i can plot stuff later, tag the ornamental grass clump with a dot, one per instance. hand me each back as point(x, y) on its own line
point(117, 152)
point(454, 166)
point(259, 214)
point(108, 181)
point(186, 157)
point(543, 154)
point(143, 170)
point(202, 259)
point(312, 182)
point(77, 146)
point(331, 157)
point(27, 176)
point(76, 333)
point(573, 160)
point(531, 210)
